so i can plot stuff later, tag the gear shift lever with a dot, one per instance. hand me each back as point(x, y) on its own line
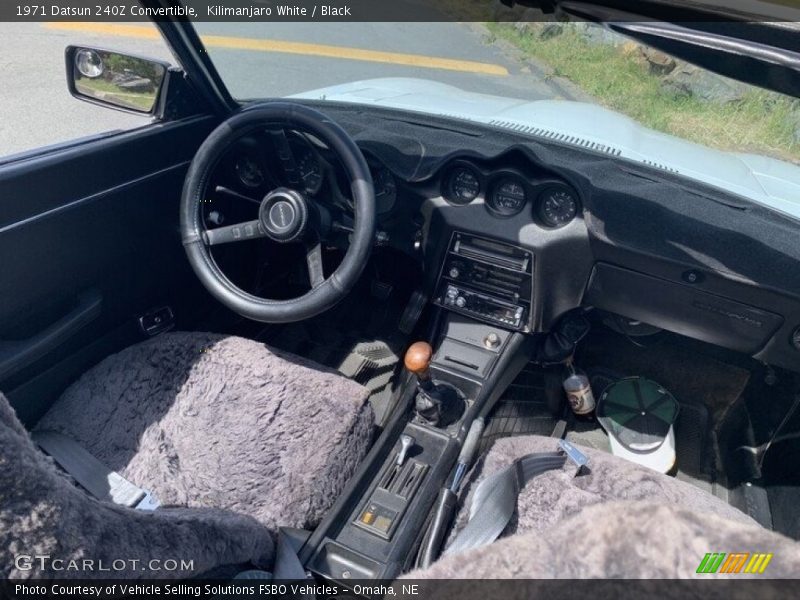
point(418, 361)
point(435, 404)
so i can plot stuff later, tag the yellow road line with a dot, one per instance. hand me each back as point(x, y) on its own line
point(284, 47)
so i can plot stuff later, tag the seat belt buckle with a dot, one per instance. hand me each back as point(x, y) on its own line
point(576, 457)
point(149, 502)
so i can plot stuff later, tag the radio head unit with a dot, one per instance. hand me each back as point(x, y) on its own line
point(487, 280)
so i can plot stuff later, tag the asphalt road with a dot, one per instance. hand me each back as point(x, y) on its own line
point(256, 60)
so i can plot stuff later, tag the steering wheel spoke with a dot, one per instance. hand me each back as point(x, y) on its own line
point(249, 230)
point(221, 189)
point(316, 274)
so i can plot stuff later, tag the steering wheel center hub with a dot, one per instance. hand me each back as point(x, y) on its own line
point(284, 215)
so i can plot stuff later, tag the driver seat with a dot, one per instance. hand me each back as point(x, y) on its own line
point(203, 420)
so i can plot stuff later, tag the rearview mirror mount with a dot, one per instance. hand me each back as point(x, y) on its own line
point(121, 81)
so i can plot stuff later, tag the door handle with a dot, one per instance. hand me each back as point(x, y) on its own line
point(15, 355)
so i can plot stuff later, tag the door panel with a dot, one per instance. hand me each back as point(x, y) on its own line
point(97, 221)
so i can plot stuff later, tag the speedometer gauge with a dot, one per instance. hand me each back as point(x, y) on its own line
point(558, 205)
point(310, 169)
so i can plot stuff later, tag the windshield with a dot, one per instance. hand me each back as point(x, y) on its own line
point(570, 82)
point(528, 61)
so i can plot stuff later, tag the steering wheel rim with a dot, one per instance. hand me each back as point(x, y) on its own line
point(195, 237)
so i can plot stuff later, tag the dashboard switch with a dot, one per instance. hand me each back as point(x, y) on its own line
point(492, 340)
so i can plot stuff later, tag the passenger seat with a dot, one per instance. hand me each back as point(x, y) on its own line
point(615, 519)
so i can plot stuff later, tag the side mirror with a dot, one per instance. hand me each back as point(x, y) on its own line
point(124, 82)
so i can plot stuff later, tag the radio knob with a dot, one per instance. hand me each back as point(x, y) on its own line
point(461, 302)
point(454, 273)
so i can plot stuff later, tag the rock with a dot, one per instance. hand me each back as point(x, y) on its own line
point(522, 26)
point(688, 80)
point(598, 35)
point(534, 22)
point(659, 63)
point(551, 30)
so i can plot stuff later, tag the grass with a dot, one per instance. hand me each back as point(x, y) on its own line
point(105, 90)
point(762, 122)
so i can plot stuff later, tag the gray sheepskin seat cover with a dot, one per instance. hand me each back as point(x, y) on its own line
point(205, 420)
point(555, 495)
point(617, 521)
point(42, 512)
point(643, 539)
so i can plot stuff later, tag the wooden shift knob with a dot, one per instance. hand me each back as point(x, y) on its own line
point(418, 359)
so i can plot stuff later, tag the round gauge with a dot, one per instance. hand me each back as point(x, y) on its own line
point(385, 189)
point(558, 205)
point(508, 197)
point(463, 186)
point(249, 172)
point(310, 169)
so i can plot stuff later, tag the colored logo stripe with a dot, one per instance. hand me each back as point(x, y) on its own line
point(758, 563)
point(711, 562)
point(721, 562)
point(734, 562)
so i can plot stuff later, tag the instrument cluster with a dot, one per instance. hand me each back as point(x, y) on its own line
point(507, 192)
point(272, 159)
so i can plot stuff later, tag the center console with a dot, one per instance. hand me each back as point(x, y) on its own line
point(484, 293)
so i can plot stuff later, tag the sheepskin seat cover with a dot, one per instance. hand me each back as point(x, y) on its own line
point(43, 513)
point(618, 520)
point(555, 495)
point(206, 420)
point(643, 539)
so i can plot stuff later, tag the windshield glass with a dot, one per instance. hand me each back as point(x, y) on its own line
point(598, 86)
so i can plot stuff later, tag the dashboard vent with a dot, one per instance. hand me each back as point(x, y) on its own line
point(659, 166)
point(558, 137)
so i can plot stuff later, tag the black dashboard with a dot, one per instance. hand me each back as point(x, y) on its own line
point(597, 230)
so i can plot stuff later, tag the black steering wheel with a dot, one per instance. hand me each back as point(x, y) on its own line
point(285, 215)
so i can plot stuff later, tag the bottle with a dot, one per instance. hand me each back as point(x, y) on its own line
point(579, 392)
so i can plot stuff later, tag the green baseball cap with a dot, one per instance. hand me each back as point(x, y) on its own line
point(639, 414)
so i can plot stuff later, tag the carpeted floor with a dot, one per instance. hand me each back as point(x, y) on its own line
point(704, 387)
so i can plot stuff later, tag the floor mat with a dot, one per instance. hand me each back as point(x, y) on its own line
point(523, 411)
point(514, 418)
point(359, 338)
point(690, 376)
point(782, 480)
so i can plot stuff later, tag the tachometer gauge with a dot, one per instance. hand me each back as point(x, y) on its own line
point(310, 169)
point(249, 172)
point(558, 205)
point(385, 189)
point(508, 197)
point(463, 186)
